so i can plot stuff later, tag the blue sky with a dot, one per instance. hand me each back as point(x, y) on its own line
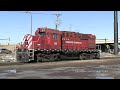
point(15, 24)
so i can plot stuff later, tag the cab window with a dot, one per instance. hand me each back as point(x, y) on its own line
point(63, 34)
point(55, 36)
point(67, 34)
point(42, 34)
point(70, 34)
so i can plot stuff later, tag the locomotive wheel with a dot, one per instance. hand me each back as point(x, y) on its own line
point(47, 58)
point(97, 56)
point(92, 56)
point(51, 58)
point(83, 56)
point(55, 57)
point(39, 58)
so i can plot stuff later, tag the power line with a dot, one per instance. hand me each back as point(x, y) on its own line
point(58, 21)
point(31, 18)
point(31, 12)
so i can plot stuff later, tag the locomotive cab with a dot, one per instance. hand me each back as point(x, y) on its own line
point(49, 38)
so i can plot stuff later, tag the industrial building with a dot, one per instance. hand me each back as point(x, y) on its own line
point(101, 44)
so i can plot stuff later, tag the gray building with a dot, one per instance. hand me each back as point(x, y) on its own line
point(102, 43)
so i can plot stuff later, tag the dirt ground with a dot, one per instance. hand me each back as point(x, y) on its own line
point(108, 68)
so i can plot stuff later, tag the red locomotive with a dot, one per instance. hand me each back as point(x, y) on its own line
point(51, 45)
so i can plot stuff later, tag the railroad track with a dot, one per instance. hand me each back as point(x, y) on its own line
point(18, 63)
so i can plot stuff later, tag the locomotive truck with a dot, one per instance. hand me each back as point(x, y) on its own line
point(53, 45)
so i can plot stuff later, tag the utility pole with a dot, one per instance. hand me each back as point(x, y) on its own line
point(57, 20)
point(116, 32)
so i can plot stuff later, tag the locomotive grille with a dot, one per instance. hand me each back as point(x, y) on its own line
point(84, 36)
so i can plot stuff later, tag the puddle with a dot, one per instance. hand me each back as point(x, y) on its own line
point(10, 72)
point(104, 77)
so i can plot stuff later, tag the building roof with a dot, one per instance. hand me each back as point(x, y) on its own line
point(102, 41)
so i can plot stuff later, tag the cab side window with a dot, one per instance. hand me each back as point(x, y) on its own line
point(63, 34)
point(55, 36)
point(70, 34)
point(67, 34)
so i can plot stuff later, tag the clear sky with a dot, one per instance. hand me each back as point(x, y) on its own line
point(15, 24)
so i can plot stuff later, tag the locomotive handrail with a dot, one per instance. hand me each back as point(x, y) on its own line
point(35, 41)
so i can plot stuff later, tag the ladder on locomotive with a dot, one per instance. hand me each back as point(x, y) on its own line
point(31, 52)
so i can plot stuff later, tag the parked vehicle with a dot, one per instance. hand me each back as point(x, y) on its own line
point(5, 51)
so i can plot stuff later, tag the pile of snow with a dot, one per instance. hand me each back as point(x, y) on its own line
point(8, 58)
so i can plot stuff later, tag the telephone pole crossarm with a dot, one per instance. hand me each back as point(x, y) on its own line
point(57, 20)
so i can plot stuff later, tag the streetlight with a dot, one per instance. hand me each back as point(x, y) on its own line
point(57, 18)
point(31, 20)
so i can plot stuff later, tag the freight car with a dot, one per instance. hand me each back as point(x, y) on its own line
point(54, 45)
